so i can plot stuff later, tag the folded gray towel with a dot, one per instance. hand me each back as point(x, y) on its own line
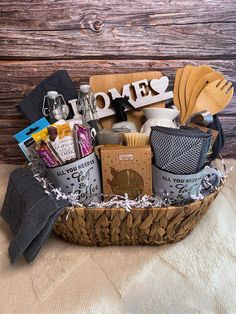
point(30, 212)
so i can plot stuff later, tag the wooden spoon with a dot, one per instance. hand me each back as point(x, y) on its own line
point(214, 97)
point(176, 87)
point(208, 78)
point(182, 86)
point(194, 77)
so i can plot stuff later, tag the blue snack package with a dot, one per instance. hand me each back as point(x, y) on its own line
point(25, 140)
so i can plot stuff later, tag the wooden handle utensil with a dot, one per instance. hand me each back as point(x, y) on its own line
point(214, 97)
point(182, 87)
point(176, 87)
point(194, 77)
point(206, 79)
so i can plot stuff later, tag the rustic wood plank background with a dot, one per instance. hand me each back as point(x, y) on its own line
point(85, 37)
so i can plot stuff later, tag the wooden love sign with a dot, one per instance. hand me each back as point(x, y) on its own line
point(148, 88)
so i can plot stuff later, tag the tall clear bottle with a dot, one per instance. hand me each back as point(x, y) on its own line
point(87, 108)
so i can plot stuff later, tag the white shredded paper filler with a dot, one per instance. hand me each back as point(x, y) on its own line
point(117, 201)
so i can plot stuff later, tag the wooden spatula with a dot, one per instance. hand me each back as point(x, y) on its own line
point(176, 87)
point(214, 97)
point(182, 86)
point(206, 79)
point(194, 77)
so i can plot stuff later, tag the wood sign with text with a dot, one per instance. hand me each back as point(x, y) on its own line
point(142, 88)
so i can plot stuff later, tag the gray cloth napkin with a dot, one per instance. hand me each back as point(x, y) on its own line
point(180, 151)
point(30, 213)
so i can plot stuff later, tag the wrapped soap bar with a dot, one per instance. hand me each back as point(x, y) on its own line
point(83, 141)
point(126, 169)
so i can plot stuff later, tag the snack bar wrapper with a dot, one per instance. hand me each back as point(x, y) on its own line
point(83, 142)
point(46, 154)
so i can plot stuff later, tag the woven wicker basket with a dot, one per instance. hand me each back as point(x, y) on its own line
point(116, 226)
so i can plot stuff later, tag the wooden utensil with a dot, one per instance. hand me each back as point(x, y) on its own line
point(182, 86)
point(214, 97)
point(176, 87)
point(194, 77)
point(208, 78)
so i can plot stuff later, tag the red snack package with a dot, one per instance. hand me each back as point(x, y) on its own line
point(49, 159)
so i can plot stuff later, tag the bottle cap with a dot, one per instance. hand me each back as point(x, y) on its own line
point(52, 94)
point(85, 88)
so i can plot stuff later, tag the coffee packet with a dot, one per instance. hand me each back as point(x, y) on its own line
point(61, 139)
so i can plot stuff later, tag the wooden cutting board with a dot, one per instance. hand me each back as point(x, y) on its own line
point(182, 87)
point(206, 79)
point(194, 77)
point(102, 83)
point(176, 87)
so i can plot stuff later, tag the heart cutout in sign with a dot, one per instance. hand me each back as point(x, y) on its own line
point(160, 85)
